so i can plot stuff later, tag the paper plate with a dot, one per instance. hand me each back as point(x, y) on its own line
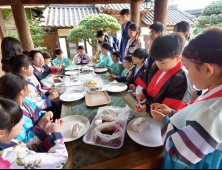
point(72, 72)
point(150, 136)
point(100, 70)
point(115, 87)
point(71, 120)
point(72, 68)
point(72, 95)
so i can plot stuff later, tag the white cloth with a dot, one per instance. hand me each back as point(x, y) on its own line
point(161, 76)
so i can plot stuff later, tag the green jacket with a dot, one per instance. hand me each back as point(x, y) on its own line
point(117, 68)
point(105, 60)
point(56, 62)
point(124, 72)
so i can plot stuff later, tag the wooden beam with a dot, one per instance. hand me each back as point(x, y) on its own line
point(135, 11)
point(31, 2)
point(161, 12)
point(3, 30)
point(22, 26)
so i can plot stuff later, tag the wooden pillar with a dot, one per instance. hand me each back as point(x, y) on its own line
point(3, 30)
point(135, 11)
point(22, 26)
point(161, 12)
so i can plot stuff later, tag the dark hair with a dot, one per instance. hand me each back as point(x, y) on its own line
point(125, 12)
point(58, 51)
point(33, 53)
point(206, 47)
point(157, 26)
point(117, 54)
point(10, 114)
point(129, 58)
point(46, 55)
point(11, 85)
point(81, 47)
point(25, 52)
point(184, 26)
point(167, 46)
point(100, 33)
point(140, 53)
point(17, 62)
point(105, 45)
point(10, 47)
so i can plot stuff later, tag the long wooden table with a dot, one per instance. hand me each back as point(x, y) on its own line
point(130, 155)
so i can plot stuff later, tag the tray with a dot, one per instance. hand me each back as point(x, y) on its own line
point(88, 137)
point(97, 98)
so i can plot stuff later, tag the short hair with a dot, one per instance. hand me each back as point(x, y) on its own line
point(167, 46)
point(184, 27)
point(25, 52)
point(46, 55)
point(58, 51)
point(81, 47)
point(32, 53)
point(129, 58)
point(100, 33)
point(125, 12)
point(105, 45)
point(117, 54)
point(157, 26)
point(134, 27)
point(140, 53)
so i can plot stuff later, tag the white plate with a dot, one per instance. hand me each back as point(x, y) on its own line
point(73, 95)
point(100, 70)
point(71, 120)
point(150, 136)
point(116, 87)
point(72, 68)
point(72, 72)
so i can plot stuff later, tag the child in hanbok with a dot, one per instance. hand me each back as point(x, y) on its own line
point(117, 67)
point(43, 72)
point(61, 60)
point(46, 57)
point(127, 63)
point(192, 136)
point(35, 154)
point(22, 65)
point(15, 87)
point(134, 42)
point(105, 58)
point(82, 57)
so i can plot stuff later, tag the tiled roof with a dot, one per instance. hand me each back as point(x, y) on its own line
point(117, 6)
point(66, 15)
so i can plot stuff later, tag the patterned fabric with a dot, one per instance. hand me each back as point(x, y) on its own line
point(79, 60)
point(193, 135)
point(105, 60)
point(116, 68)
point(30, 127)
point(132, 45)
point(65, 61)
point(18, 155)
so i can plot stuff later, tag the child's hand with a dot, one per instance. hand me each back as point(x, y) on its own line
point(59, 67)
point(140, 109)
point(53, 94)
point(63, 65)
point(161, 108)
point(47, 128)
point(157, 116)
point(56, 127)
point(132, 87)
point(44, 120)
point(108, 68)
point(140, 96)
point(111, 76)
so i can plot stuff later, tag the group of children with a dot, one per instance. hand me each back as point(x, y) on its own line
point(163, 79)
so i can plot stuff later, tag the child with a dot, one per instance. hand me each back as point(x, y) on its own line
point(117, 67)
point(134, 41)
point(15, 154)
point(125, 15)
point(192, 136)
point(21, 65)
point(46, 57)
point(183, 28)
point(15, 87)
point(105, 58)
point(112, 40)
point(166, 83)
point(82, 57)
point(43, 72)
point(127, 63)
point(60, 60)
